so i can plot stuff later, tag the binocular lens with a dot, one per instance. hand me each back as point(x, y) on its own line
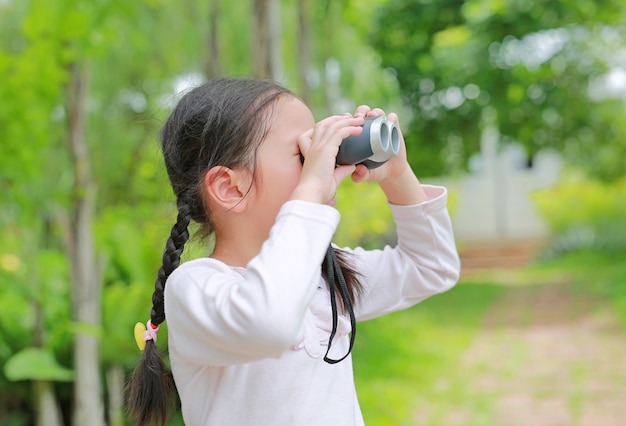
point(379, 141)
point(394, 138)
point(389, 137)
point(384, 137)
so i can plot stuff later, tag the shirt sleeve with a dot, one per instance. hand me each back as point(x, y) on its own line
point(218, 316)
point(423, 263)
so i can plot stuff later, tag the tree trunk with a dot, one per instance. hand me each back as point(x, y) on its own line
point(304, 49)
point(212, 66)
point(115, 386)
point(328, 53)
point(86, 297)
point(275, 45)
point(266, 34)
point(47, 408)
point(260, 42)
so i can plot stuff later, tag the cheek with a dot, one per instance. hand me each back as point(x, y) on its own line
point(279, 175)
point(287, 181)
point(294, 175)
point(278, 182)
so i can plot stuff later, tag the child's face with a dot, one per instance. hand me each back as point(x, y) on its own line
point(278, 158)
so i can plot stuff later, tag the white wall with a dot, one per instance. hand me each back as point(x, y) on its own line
point(493, 200)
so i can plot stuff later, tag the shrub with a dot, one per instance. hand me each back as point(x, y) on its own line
point(583, 213)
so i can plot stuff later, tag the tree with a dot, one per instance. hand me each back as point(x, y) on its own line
point(212, 67)
point(85, 276)
point(304, 48)
point(524, 67)
point(49, 176)
point(265, 39)
point(30, 197)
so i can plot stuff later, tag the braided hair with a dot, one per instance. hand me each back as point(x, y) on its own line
point(151, 389)
point(220, 123)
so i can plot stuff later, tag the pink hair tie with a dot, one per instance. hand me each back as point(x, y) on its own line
point(143, 333)
point(151, 332)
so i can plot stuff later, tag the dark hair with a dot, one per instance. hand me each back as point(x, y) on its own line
point(220, 123)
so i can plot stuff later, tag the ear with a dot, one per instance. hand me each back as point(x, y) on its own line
point(227, 188)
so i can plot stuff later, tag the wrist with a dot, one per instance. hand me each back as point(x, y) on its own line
point(305, 193)
point(403, 189)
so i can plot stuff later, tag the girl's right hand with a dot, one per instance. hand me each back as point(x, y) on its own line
point(320, 176)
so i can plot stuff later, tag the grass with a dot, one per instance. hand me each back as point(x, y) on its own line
point(600, 274)
point(405, 361)
point(406, 364)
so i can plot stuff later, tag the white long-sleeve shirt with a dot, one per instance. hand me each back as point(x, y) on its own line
point(247, 344)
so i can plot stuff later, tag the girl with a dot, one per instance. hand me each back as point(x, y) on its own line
point(254, 332)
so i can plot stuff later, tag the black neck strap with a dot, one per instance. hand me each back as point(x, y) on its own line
point(335, 278)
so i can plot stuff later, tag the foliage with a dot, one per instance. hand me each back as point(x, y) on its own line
point(584, 213)
point(36, 364)
point(34, 310)
point(365, 216)
point(37, 45)
point(536, 70)
point(132, 247)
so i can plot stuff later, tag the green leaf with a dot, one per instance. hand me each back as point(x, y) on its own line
point(452, 37)
point(36, 364)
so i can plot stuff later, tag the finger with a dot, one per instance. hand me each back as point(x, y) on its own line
point(362, 110)
point(304, 141)
point(342, 126)
point(360, 173)
point(394, 117)
point(376, 112)
point(341, 120)
point(342, 172)
point(337, 121)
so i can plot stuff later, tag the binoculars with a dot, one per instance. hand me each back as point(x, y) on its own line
point(379, 141)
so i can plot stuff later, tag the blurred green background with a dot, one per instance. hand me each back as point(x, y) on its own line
point(86, 207)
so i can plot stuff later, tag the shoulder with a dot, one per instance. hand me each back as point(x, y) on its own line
point(203, 264)
point(200, 273)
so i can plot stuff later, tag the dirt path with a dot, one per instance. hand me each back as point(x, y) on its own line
point(545, 357)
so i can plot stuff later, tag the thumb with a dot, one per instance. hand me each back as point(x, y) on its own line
point(304, 141)
point(342, 172)
point(361, 173)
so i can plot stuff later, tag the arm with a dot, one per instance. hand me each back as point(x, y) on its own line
point(218, 315)
point(423, 263)
point(425, 260)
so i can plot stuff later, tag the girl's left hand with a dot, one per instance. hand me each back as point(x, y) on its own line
point(395, 166)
